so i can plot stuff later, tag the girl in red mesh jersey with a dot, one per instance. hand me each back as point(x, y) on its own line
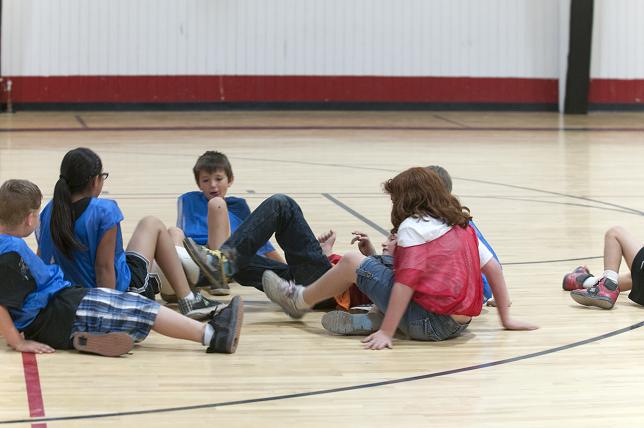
point(435, 287)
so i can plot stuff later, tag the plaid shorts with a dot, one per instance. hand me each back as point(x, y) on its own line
point(104, 310)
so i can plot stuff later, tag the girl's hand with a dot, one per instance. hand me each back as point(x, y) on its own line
point(33, 347)
point(511, 324)
point(378, 340)
point(364, 243)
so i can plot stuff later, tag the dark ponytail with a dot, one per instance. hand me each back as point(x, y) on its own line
point(77, 170)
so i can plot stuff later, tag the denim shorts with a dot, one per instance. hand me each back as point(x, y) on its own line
point(376, 280)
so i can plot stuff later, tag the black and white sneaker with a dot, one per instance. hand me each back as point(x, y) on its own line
point(200, 307)
point(227, 325)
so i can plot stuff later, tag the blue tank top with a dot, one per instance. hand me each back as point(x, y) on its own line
point(192, 217)
point(100, 216)
point(487, 291)
point(49, 281)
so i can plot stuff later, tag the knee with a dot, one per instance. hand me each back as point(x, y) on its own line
point(615, 232)
point(151, 222)
point(281, 199)
point(176, 233)
point(352, 260)
point(217, 203)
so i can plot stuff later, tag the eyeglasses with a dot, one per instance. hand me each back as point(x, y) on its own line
point(104, 175)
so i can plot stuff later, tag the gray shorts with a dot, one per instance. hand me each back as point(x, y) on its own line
point(376, 280)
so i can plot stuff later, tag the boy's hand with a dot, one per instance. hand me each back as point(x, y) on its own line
point(364, 243)
point(378, 340)
point(33, 347)
point(512, 324)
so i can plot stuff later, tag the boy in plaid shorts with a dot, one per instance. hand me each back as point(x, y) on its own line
point(38, 302)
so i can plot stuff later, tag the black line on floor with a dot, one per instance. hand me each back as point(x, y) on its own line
point(333, 390)
point(356, 214)
point(536, 262)
point(453, 122)
point(80, 120)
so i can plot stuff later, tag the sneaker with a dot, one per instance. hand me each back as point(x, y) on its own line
point(282, 292)
point(108, 344)
point(227, 324)
point(211, 263)
point(348, 324)
point(200, 307)
point(575, 279)
point(602, 295)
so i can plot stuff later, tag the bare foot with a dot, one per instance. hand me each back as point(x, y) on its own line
point(326, 242)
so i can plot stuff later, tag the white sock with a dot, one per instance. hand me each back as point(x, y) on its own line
point(591, 281)
point(208, 332)
point(611, 274)
point(299, 299)
point(190, 296)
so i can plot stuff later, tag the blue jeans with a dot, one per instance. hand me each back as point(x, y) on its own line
point(282, 216)
point(376, 280)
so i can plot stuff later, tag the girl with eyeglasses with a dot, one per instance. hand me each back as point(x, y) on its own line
point(81, 232)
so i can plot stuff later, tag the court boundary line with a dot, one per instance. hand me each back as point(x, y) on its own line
point(32, 385)
point(316, 128)
point(333, 390)
point(627, 210)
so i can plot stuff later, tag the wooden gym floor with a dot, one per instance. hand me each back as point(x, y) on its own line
point(543, 190)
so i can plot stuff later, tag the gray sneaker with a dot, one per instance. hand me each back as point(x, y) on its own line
point(211, 263)
point(348, 324)
point(282, 292)
point(199, 308)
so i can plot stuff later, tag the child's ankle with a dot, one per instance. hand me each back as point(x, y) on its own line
point(611, 274)
point(300, 303)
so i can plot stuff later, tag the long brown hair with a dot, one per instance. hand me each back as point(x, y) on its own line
point(418, 192)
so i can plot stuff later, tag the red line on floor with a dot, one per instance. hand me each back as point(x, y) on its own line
point(34, 392)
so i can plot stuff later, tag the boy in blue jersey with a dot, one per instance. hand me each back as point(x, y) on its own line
point(51, 313)
point(208, 216)
point(447, 181)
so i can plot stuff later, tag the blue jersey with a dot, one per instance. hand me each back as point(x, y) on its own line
point(100, 216)
point(192, 217)
point(487, 291)
point(48, 278)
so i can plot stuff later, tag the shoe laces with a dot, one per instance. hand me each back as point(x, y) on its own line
point(206, 301)
point(215, 253)
point(290, 288)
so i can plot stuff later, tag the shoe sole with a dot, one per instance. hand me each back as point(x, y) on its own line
point(219, 291)
point(206, 269)
point(237, 307)
point(346, 324)
point(598, 301)
point(107, 345)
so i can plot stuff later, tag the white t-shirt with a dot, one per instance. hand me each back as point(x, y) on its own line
point(417, 231)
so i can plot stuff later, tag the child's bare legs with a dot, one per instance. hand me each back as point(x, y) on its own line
point(177, 236)
point(172, 324)
point(296, 299)
point(221, 334)
point(625, 281)
point(152, 240)
point(618, 243)
point(218, 223)
point(336, 280)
